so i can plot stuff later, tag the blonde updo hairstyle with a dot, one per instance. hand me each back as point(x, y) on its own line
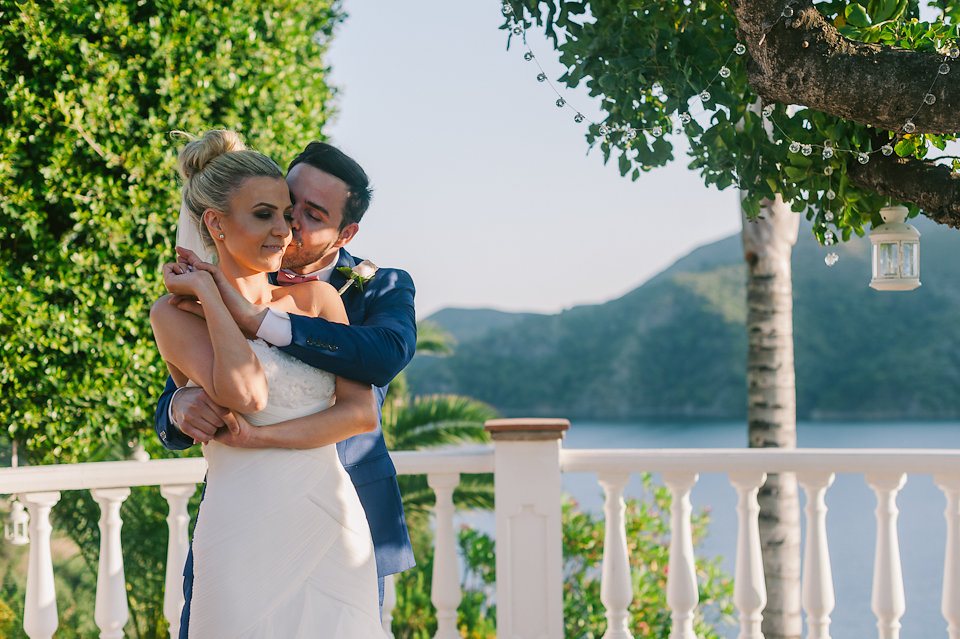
point(212, 167)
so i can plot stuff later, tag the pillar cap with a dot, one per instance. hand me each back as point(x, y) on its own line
point(527, 428)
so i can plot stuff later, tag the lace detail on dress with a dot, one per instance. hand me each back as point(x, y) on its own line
point(293, 386)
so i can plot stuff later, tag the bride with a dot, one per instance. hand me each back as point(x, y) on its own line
point(281, 546)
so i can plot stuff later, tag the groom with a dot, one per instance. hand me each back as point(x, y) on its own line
point(330, 194)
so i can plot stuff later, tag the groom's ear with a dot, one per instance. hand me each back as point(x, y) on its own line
point(347, 233)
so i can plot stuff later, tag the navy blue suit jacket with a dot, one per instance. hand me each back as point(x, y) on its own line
point(378, 343)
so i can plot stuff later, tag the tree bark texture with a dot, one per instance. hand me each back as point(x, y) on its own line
point(771, 407)
point(804, 60)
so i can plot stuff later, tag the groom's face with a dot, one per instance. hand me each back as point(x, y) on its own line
point(318, 201)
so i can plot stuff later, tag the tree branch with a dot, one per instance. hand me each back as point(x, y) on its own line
point(804, 60)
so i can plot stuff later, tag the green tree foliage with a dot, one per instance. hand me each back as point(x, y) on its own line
point(649, 61)
point(90, 94)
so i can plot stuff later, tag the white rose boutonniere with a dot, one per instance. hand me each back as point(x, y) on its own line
point(361, 274)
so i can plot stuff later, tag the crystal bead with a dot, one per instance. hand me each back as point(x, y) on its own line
point(828, 216)
point(828, 241)
point(828, 236)
point(528, 56)
point(828, 170)
point(768, 110)
point(657, 131)
point(685, 117)
point(806, 149)
point(909, 126)
point(630, 133)
point(954, 52)
point(827, 152)
point(507, 8)
point(724, 72)
point(788, 12)
point(740, 49)
point(830, 195)
point(929, 98)
point(886, 149)
point(794, 146)
point(704, 96)
point(944, 69)
point(560, 102)
point(518, 30)
point(541, 77)
point(578, 118)
point(863, 158)
point(831, 259)
point(604, 129)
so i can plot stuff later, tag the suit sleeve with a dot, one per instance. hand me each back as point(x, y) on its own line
point(170, 436)
point(372, 352)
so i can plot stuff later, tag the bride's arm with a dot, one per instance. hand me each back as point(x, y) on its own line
point(355, 412)
point(211, 351)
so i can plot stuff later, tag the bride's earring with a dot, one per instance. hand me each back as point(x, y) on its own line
point(221, 236)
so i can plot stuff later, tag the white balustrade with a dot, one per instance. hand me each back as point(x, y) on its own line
point(110, 612)
point(887, 599)
point(950, 602)
point(40, 608)
point(445, 593)
point(682, 595)
point(749, 588)
point(389, 603)
point(616, 586)
point(527, 460)
point(178, 545)
point(817, 589)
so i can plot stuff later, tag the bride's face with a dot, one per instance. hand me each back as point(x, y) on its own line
point(256, 228)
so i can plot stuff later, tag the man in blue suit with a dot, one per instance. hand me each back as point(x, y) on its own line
point(330, 194)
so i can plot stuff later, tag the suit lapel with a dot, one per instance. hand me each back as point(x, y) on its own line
point(352, 298)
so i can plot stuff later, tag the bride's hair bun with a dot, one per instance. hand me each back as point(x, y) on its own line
point(199, 152)
point(212, 167)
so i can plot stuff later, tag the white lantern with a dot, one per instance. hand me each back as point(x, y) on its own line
point(896, 252)
point(15, 528)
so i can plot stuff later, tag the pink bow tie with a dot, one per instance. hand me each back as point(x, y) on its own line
point(286, 277)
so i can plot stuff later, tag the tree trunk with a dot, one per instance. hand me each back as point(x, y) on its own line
point(771, 406)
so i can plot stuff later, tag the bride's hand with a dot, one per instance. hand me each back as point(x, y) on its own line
point(181, 280)
point(238, 432)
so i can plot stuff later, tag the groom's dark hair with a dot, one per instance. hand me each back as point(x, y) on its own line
point(332, 160)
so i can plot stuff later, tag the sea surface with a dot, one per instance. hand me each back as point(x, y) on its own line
point(851, 528)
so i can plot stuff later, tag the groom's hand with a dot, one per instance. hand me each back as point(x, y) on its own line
point(247, 316)
point(196, 415)
point(238, 432)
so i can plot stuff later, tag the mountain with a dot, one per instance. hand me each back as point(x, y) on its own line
point(676, 346)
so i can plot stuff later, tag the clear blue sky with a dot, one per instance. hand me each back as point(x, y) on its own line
point(485, 191)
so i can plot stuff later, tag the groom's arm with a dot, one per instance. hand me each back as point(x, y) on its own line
point(373, 351)
point(170, 436)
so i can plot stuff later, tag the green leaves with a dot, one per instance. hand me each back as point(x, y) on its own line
point(649, 62)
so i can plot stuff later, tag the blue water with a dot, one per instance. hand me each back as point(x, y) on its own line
point(850, 518)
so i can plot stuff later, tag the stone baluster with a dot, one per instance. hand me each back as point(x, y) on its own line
point(178, 544)
point(616, 587)
point(749, 590)
point(682, 595)
point(529, 529)
point(887, 599)
point(817, 590)
point(389, 603)
point(950, 602)
point(40, 608)
point(445, 593)
point(110, 612)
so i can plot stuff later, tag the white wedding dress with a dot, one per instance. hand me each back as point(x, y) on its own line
point(282, 549)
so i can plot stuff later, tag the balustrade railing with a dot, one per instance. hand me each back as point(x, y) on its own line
point(528, 461)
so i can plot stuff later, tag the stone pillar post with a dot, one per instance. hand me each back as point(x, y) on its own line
point(529, 528)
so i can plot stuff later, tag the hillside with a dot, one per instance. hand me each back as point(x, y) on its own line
point(676, 346)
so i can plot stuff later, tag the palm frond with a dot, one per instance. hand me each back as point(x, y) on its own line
point(433, 339)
